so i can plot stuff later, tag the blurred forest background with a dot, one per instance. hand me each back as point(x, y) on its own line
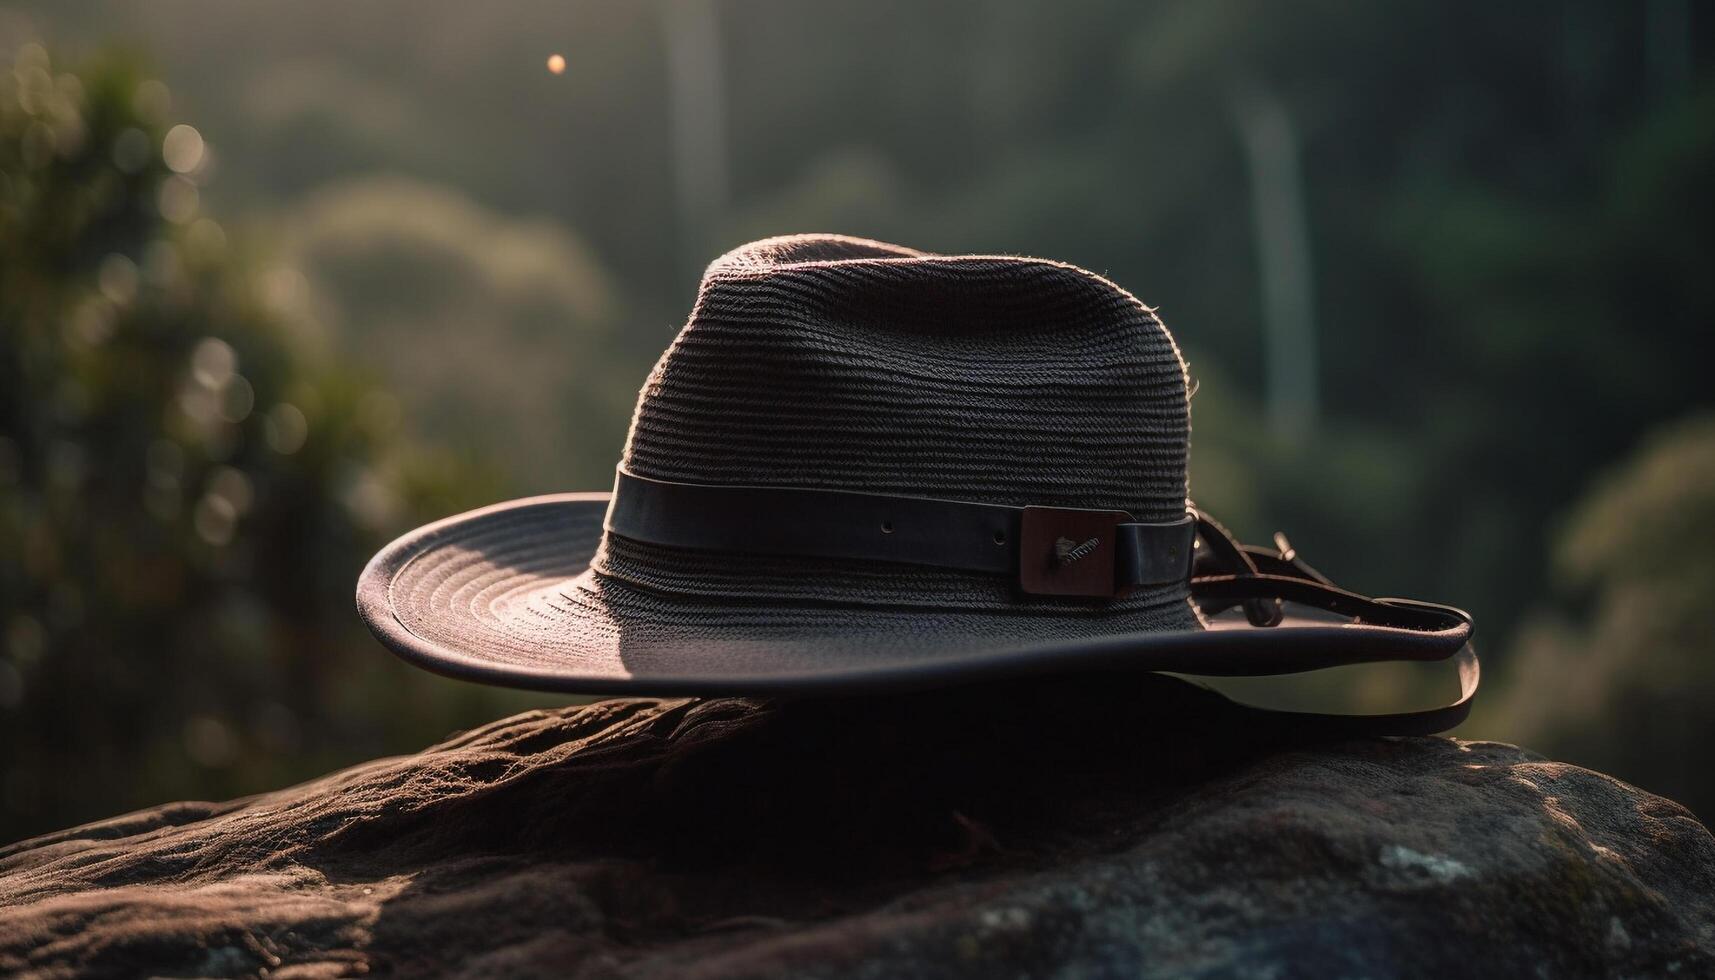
point(279, 281)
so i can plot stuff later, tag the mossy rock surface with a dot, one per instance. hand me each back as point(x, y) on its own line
point(1106, 826)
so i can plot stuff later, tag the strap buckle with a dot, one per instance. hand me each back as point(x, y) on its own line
point(1063, 551)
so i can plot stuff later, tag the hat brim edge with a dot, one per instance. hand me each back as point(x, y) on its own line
point(1228, 649)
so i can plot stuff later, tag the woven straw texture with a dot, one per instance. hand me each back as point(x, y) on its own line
point(841, 363)
point(836, 363)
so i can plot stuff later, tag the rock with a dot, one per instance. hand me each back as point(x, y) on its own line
point(1119, 825)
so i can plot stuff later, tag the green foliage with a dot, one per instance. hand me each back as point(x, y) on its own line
point(496, 333)
point(185, 497)
point(1618, 676)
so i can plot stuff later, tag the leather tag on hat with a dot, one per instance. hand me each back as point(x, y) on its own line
point(1062, 551)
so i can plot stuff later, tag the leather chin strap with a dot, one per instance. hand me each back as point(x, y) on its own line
point(1049, 551)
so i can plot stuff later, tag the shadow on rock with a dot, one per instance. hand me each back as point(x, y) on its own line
point(856, 788)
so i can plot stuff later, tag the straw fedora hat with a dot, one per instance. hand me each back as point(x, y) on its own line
point(861, 467)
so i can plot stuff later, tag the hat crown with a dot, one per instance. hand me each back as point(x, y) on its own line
point(841, 363)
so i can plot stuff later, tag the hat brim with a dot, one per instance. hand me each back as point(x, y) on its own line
point(502, 595)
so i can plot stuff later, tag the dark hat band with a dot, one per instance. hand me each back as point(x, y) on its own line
point(1051, 550)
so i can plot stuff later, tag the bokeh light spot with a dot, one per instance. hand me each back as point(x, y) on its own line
point(230, 484)
point(285, 428)
point(213, 362)
point(117, 279)
point(237, 399)
point(152, 100)
point(26, 640)
point(90, 324)
point(178, 200)
point(215, 519)
point(210, 742)
point(205, 240)
point(182, 149)
point(556, 64)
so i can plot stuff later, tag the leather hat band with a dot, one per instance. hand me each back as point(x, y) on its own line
point(1051, 550)
point(1061, 551)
